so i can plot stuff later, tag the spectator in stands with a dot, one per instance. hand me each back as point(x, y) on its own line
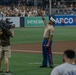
point(74, 9)
point(58, 4)
point(57, 11)
point(54, 6)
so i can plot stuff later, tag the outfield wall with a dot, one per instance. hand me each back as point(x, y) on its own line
point(69, 20)
point(34, 21)
point(15, 20)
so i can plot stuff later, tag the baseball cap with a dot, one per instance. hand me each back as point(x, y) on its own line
point(52, 19)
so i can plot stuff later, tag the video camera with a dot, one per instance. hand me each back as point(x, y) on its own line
point(6, 24)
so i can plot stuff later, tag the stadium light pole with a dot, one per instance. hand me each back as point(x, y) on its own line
point(35, 3)
point(49, 7)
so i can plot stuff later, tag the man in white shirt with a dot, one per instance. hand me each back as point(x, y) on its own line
point(69, 65)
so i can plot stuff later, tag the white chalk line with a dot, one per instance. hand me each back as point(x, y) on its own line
point(33, 51)
point(37, 63)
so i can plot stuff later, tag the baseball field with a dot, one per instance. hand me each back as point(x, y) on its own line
point(26, 49)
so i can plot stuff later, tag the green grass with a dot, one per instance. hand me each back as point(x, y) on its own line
point(27, 35)
point(33, 35)
point(65, 34)
point(28, 64)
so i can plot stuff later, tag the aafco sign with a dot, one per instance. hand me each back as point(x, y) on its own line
point(69, 20)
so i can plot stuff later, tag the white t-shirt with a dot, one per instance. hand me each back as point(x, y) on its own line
point(64, 69)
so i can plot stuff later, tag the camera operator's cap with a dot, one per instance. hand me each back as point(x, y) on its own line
point(52, 19)
point(7, 18)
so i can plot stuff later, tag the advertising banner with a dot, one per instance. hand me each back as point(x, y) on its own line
point(34, 21)
point(69, 20)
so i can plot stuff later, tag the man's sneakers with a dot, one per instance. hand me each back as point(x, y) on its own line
point(46, 66)
point(51, 67)
point(1, 72)
point(43, 66)
point(8, 73)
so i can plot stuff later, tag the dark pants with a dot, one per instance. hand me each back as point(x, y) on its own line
point(47, 53)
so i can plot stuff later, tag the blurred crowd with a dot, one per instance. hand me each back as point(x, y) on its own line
point(64, 8)
point(19, 10)
point(24, 10)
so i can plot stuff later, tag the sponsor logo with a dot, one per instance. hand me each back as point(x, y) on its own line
point(66, 20)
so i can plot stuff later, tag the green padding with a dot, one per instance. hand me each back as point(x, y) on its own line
point(34, 21)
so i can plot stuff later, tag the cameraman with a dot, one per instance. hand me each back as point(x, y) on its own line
point(5, 51)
